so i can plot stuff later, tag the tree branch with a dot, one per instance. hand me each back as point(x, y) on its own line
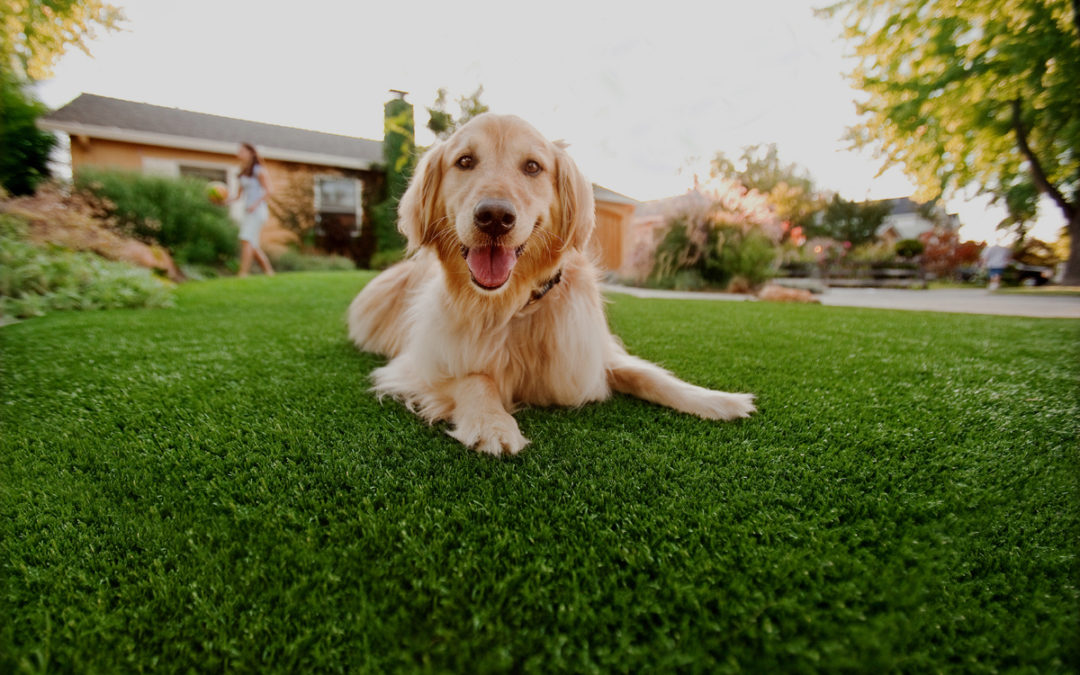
point(1037, 173)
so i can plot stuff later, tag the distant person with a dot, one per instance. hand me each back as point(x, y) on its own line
point(995, 259)
point(255, 189)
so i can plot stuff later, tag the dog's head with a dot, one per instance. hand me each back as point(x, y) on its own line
point(498, 202)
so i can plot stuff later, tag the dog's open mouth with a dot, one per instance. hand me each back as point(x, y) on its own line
point(491, 265)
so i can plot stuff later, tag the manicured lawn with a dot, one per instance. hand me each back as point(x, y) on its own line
point(212, 488)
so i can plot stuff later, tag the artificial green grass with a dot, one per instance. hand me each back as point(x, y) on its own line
point(212, 488)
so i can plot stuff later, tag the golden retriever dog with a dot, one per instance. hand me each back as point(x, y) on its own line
point(499, 305)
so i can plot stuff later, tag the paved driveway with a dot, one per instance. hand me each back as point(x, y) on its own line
point(967, 301)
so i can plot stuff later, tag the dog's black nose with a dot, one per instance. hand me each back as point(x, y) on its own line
point(494, 217)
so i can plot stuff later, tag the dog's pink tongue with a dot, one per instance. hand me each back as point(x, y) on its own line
point(491, 265)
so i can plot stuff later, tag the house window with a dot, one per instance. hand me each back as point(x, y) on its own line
point(337, 194)
point(204, 173)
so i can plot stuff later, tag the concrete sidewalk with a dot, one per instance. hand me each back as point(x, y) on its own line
point(965, 301)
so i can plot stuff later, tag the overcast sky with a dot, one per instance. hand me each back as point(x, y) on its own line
point(644, 93)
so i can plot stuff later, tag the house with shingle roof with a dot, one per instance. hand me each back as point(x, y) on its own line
point(907, 219)
point(127, 135)
point(337, 176)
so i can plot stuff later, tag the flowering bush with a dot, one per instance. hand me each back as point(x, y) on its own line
point(944, 254)
point(723, 235)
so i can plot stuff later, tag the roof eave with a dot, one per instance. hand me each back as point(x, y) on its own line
point(200, 144)
point(610, 196)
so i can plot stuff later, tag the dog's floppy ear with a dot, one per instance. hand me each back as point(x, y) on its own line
point(576, 212)
point(421, 206)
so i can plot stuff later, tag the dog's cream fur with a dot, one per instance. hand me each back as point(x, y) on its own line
point(468, 355)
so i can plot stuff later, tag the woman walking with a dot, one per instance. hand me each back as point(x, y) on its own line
point(255, 189)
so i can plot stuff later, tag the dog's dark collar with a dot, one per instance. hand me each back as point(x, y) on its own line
point(544, 288)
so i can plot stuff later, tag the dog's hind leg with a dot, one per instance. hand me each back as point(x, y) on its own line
point(637, 377)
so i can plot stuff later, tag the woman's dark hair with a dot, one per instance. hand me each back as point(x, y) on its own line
point(249, 169)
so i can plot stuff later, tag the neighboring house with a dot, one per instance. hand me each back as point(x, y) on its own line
point(613, 215)
point(117, 134)
point(340, 173)
point(908, 219)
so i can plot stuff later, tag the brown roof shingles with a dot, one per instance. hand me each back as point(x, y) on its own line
point(102, 111)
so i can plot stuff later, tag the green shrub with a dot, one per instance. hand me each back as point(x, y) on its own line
point(735, 253)
point(173, 212)
point(717, 253)
point(35, 280)
point(909, 248)
point(876, 252)
point(688, 280)
point(295, 261)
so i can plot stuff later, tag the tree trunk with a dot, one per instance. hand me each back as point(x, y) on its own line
point(1072, 267)
point(1039, 178)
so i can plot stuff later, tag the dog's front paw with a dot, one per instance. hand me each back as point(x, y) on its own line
point(494, 436)
point(719, 405)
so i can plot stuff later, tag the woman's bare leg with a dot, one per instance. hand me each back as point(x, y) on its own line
point(264, 262)
point(246, 252)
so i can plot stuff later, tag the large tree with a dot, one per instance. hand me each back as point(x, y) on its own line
point(789, 187)
point(24, 149)
point(35, 33)
point(980, 94)
point(849, 221)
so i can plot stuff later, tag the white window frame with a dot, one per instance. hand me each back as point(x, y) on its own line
point(358, 207)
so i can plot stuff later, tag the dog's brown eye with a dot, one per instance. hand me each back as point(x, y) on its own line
point(465, 162)
point(532, 167)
